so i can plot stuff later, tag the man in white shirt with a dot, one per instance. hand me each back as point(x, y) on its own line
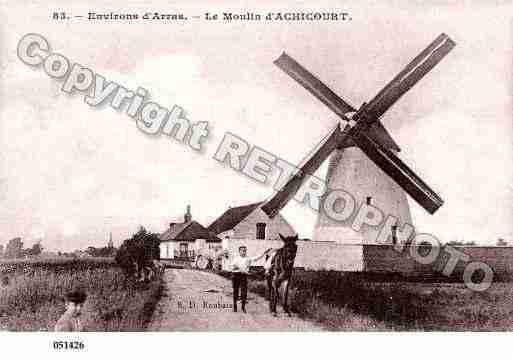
point(240, 270)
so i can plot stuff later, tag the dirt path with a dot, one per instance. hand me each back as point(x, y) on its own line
point(201, 301)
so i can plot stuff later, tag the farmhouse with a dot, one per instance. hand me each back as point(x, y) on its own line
point(250, 222)
point(250, 226)
point(184, 240)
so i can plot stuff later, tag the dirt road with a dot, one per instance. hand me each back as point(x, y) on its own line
point(202, 301)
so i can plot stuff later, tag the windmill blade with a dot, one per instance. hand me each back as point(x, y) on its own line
point(380, 135)
point(288, 191)
point(329, 98)
point(408, 77)
point(306, 79)
point(400, 173)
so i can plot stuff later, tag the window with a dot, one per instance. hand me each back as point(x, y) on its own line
point(260, 230)
point(184, 247)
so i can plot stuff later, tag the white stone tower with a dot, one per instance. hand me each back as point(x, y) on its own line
point(352, 171)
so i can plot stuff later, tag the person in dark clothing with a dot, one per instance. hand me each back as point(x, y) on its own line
point(240, 286)
point(70, 320)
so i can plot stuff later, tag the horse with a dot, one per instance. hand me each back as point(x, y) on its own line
point(280, 271)
point(158, 267)
point(149, 270)
point(154, 269)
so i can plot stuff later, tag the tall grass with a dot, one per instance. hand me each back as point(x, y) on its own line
point(33, 300)
point(361, 302)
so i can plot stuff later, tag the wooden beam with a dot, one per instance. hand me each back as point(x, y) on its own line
point(288, 191)
point(311, 83)
point(324, 94)
point(408, 77)
point(400, 173)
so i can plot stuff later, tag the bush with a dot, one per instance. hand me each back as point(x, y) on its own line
point(138, 252)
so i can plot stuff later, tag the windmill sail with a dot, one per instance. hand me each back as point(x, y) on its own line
point(306, 79)
point(400, 173)
point(324, 94)
point(287, 192)
point(380, 135)
point(409, 76)
point(368, 133)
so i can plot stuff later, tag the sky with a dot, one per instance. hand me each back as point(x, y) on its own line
point(70, 174)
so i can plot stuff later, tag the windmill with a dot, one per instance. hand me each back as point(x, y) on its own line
point(364, 157)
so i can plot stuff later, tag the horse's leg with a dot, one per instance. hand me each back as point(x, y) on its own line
point(137, 271)
point(269, 288)
point(142, 274)
point(272, 295)
point(286, 283)
point(276, 293)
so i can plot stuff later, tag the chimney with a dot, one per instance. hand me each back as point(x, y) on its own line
point(394, 234)
point(187, 216)
point(369, 200)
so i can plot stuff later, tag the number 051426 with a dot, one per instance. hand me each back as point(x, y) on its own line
point(68, 345)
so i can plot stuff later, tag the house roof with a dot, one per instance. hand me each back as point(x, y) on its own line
point(231, 217)
point(188, 231)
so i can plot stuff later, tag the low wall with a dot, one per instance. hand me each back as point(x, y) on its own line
point(375, 258)
point(311, 255)
point(383, 258)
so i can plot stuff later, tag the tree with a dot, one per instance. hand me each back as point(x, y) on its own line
point(137, 252)
point(91, 251)
point(36, 249)
point(14, 248)
point(101, 251)
point(501, 242)
point(461, 243)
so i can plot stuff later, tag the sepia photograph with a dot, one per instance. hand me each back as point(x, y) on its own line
point(255, 167)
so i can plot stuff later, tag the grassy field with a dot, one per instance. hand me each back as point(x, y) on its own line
point(33, 299)
point(358, 302)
